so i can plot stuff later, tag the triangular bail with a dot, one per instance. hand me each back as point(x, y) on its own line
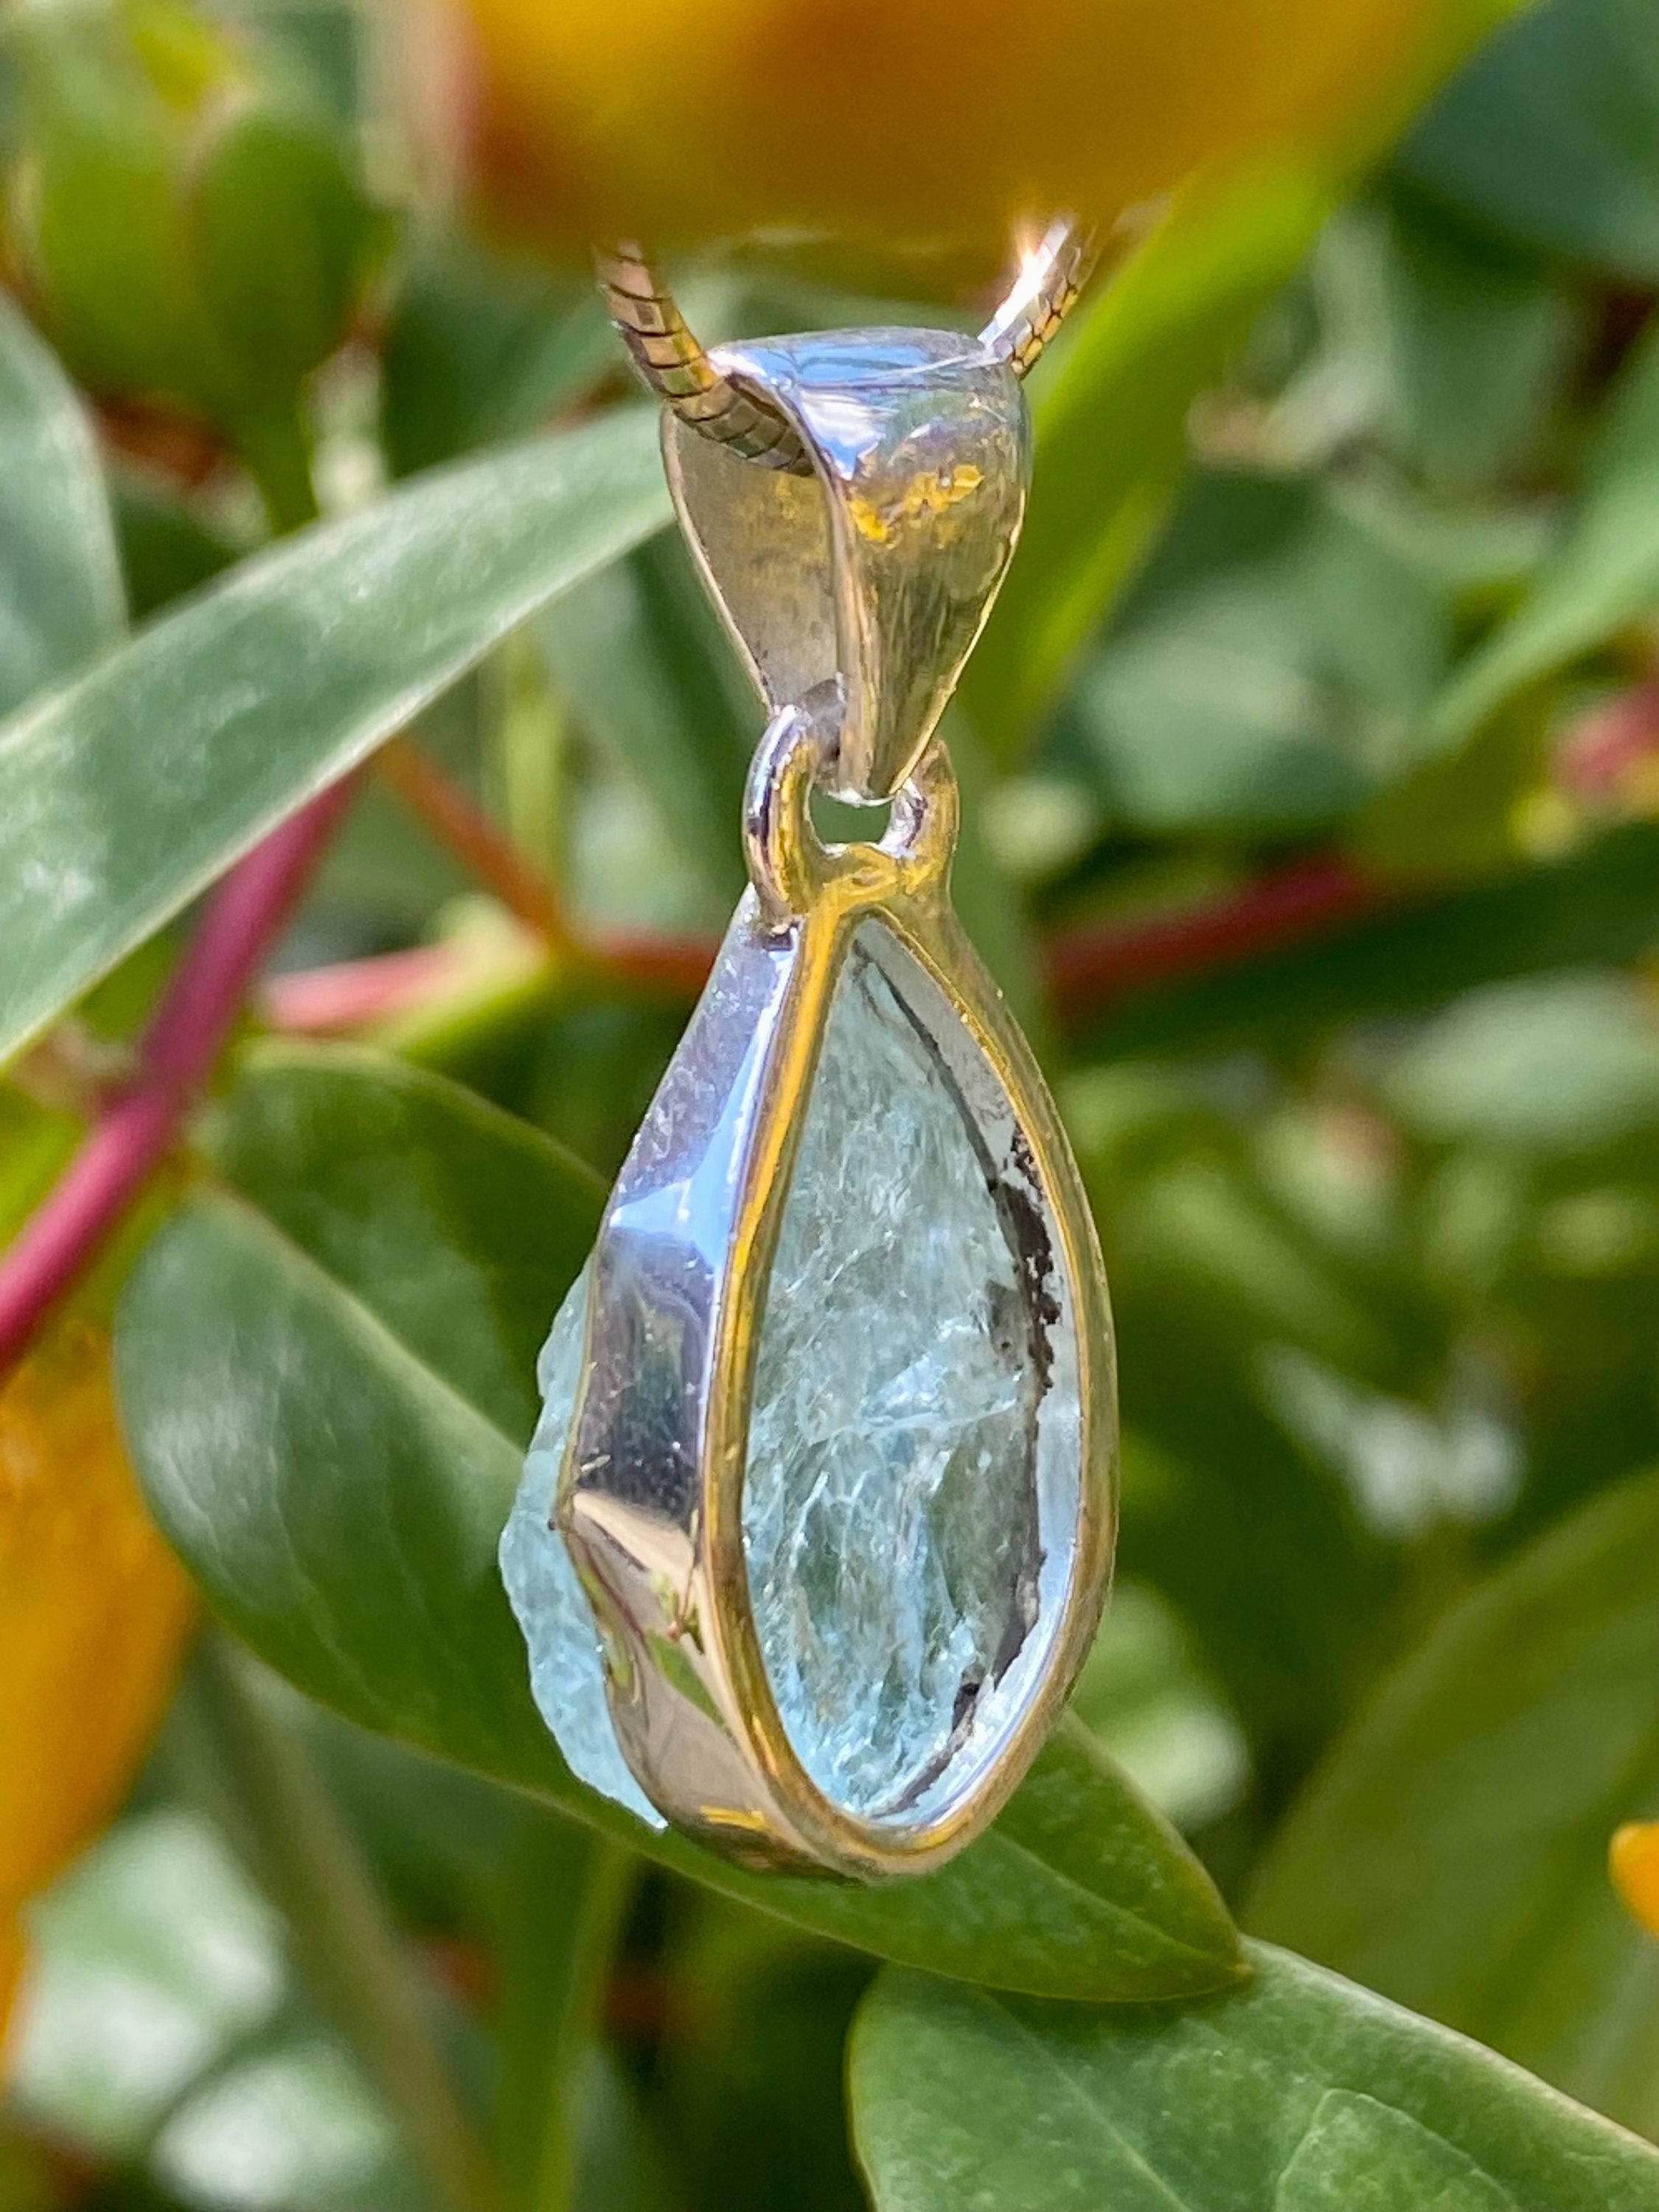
point(875, 573)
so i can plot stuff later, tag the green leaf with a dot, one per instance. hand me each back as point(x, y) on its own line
point(1552, 1064)
point(477, 1218)
point(1111, 412)
point(1111, 424)
point(156, 1957)
point(1142, 1694)
point(328, 1403)
point(1452, 343)
point(60, 579)
point(1453, 1849)
point(247, 1763)
point(1297, 2093)
point(478, 350)
point(123, 795)
point(1597, 908)
point(1551, 136)
point(640, 656)
point(162, 2026)
point(1266, 671)
point(1603, 576)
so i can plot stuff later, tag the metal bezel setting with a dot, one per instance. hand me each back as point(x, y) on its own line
point(854, 573)
point(680, 1281)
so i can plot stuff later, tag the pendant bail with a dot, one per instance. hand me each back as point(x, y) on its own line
point(875, 573)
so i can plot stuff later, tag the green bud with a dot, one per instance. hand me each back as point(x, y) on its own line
point(284, 241)
point(189, 219)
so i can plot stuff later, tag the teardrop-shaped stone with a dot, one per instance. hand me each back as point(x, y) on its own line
point(914, 1433)
point(891, 1512)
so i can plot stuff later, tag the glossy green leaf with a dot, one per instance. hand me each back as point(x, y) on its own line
point(163, 2027)
point(1111, 421)
point(1603, 577)
point(1452, 1852)
point(1300, 2093)
point(60, 580)
point(475, 1218)
point(327, 1401)
point(1551, 136)
point(123, 794)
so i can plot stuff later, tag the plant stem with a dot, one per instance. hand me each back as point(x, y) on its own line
point(258, 1781)
point(245, 915)
point(277, 452)
point(675, 966)
point(566, 1904)
point(464, 827)
point(1090, 966)
point(1086, 968)
point(138, 1128)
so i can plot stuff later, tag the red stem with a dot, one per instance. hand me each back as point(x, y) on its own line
point(136, 1130)
point(457, 822)
point(1611, 743)
point(1088, 968)
point(677, 966)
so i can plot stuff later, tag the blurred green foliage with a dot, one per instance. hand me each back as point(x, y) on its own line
point(1312, 764)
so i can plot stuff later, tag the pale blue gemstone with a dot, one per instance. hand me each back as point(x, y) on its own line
point(913, 1436)
point(567, 1673)
point(890, 1509)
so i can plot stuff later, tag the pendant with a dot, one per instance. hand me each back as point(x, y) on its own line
point(817, 1524)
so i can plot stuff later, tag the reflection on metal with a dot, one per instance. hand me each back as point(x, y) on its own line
point(861, 588)
point(855, 594)
point(701, 393)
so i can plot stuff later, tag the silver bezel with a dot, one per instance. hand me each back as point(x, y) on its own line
point(650, 1502)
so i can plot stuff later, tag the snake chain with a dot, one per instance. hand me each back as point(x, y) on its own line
point(678, 369)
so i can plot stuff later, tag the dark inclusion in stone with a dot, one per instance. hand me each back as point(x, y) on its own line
point(911, 1489)
point(912, 1378)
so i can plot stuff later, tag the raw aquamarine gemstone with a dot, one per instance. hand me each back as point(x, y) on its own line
point(914, 1433)
point(567, 1673)
point(891, 1508)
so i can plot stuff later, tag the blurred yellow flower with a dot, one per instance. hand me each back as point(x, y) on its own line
point(93, 1612)
point(890, 120)
point(1633, 1863)
point(11, 1965)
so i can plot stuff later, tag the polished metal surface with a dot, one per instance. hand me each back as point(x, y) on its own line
point(873, 575)
point(696, 390)
point(855, 593)
point(650, 1502)
point(675, 367)
point(1049, 283)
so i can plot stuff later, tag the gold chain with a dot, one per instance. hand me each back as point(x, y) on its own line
point(676, 367)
